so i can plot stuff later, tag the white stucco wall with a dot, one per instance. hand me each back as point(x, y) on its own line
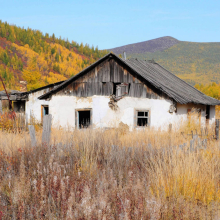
point(183, 109)
point(33, 105)
point(63, 109)
point(212, 115)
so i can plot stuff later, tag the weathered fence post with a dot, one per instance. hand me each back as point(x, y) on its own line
point(47, 120)
point(0, 106)
point(217, 129)
point(32, 135)
point(26, 121)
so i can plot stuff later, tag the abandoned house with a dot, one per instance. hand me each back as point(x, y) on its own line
point(113, 90)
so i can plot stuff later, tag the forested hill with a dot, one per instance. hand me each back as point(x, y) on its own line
point(196, 63)
point(40, 59)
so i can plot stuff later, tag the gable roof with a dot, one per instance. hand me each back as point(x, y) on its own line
point(156, 75)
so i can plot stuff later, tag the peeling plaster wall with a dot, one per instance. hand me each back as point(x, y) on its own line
point(182, 112)
point(33, 105)
point(63, 109)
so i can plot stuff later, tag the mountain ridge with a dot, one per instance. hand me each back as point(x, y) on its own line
point(196, 63)
point(157, 44)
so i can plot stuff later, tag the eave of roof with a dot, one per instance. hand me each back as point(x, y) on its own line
point(44, 87)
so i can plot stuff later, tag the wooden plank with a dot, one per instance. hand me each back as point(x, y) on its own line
point(108, 72)
point(125, 76)
point(115, 72)
point(110, 88)
point(95, 78)
point(32, 135)
point(130, 77)
point(121, 74)
point(47, 121)
point(144, 92)
point(100, 88)
point(139, 90)
point(1, 106)
point(111, 70)
point(88, 91)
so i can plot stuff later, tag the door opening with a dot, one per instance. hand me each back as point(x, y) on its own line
point(207, 112)
point(44, 111)
point(84, 118)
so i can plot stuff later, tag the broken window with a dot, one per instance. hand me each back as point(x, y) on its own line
point(19, 106)
point(142, 118)
point(84, 118)
point(120, 89)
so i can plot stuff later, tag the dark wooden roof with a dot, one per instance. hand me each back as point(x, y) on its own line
point(155, 74)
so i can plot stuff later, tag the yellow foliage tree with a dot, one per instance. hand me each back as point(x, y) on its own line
point(32, 75)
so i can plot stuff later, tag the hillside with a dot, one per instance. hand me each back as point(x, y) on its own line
point(28, 55)
point(196, 63)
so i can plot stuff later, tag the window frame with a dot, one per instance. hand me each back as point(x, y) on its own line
point(77, 116)
point(118, 92)
point(136, 117)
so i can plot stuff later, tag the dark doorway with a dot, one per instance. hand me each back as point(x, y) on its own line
point(208, 112)
point(46, 110)
point(84, 119)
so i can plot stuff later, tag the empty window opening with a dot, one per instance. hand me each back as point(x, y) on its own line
point(142, 118)
point(19, 106)
point(84, 118)
point(208, 112)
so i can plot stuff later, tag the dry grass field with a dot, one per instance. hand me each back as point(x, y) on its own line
point(110, 174)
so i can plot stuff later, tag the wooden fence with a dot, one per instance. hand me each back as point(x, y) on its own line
point(47, 122)
point(204, 132)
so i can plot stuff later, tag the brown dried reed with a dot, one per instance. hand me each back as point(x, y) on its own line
point(108, 174)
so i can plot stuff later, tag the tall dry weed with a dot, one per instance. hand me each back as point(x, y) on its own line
point(109, 174)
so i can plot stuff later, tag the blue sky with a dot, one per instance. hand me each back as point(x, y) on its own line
point(112, 23)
